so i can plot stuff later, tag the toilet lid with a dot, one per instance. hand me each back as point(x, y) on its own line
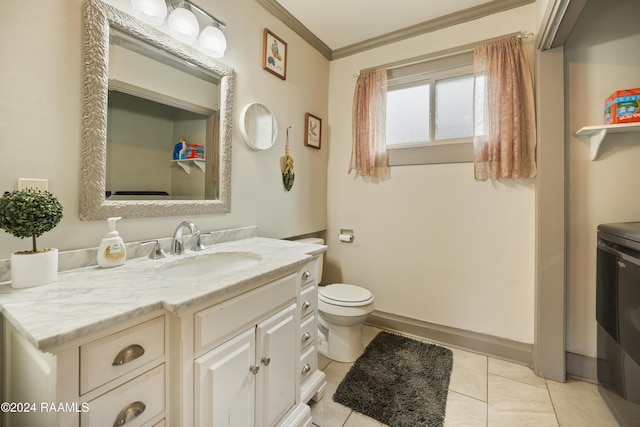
point(343, 294)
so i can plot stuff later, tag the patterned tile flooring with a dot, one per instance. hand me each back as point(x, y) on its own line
point(484, 391)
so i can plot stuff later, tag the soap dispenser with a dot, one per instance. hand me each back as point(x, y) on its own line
point(111, 251)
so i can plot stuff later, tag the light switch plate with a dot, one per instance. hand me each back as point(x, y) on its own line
point(40, 184)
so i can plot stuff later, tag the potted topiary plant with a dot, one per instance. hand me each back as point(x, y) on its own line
point(31, 213)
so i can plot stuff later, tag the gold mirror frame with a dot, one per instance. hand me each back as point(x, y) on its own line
point(98, 18)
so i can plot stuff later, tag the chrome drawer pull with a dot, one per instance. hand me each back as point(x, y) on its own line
point(266, 360)
point(306, 305)
point(306, 368)
point(306, 336)
point(131, 412)
point(305, 275)
point(128, 354)
point(254, 369)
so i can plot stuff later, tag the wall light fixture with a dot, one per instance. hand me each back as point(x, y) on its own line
point(184, 23)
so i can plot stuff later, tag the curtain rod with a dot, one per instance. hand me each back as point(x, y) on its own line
point(444, 53)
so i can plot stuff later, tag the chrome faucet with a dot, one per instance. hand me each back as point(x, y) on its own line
point(177, 243)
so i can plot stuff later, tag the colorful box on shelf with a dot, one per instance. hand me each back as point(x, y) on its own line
point(622, 107)
point(195, 151)
point(183, 151)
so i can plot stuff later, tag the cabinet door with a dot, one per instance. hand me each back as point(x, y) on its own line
point(225, 383)
point(276, 353)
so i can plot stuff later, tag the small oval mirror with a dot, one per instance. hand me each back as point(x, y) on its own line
point(258, 126)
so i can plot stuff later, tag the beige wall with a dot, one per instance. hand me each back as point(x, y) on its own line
point(430, 242)
point(601, 57)
point(40, 117)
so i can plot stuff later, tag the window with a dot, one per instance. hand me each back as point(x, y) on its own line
point(408, 114)
point(454, 108)
point(430, 111)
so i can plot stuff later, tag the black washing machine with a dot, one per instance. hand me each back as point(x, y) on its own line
point(618, 316)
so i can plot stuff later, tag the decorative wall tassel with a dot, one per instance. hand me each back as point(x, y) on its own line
point(287, 169)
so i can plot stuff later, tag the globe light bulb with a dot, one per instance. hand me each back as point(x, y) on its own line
point(213, 42)
point(184, 25)
point(150, 11)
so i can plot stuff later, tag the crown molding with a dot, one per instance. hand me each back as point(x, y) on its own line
point(445, 21)
point(292, 22)
point(466, 15)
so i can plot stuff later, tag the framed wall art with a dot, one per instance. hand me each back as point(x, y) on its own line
point(274, 55)
point(312, 130)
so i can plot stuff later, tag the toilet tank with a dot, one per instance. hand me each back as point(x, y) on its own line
point(315, 241)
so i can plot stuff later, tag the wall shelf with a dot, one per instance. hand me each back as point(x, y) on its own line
point(186, 164)
point(597, 134)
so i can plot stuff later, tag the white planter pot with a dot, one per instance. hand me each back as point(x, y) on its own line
point(28, 270)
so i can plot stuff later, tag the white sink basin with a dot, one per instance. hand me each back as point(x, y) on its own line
point(208, 265)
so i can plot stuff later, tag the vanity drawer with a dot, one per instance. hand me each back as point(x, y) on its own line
point(309, 273)
point(115, 355)
point(308, 300)
point(308, 363)
point(216, 324)
point(308, 332)
point(143, 396)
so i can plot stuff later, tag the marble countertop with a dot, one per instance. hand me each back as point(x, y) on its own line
point(90, 299)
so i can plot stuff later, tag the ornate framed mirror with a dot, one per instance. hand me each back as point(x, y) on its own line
point(109, 187)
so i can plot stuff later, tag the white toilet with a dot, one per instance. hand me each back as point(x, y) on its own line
point(342, 308)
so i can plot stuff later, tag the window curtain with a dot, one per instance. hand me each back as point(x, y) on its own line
point(505, 135)
point(368, 153)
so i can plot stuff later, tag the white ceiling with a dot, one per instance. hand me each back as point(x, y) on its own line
point(340, 23)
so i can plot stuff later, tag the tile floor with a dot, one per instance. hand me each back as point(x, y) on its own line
point(484, 391)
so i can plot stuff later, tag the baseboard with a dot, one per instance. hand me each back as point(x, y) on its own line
point(578, 366)
point(582, 367)
point(489, 345)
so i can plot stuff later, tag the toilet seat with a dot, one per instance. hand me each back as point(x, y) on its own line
point(344, 295)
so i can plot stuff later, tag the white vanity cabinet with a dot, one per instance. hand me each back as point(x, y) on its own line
point(116, 377)
point(255, 369)
point(239, 350)
point(252, 360)
point(245, 367)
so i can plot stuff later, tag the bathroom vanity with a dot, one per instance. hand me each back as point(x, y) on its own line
point(136, 346)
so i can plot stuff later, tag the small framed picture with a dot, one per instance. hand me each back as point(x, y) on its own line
point(312, 131)
point(274, 55)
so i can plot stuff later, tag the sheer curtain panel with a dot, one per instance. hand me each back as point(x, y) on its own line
point(505, 132)
point(369, 154)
